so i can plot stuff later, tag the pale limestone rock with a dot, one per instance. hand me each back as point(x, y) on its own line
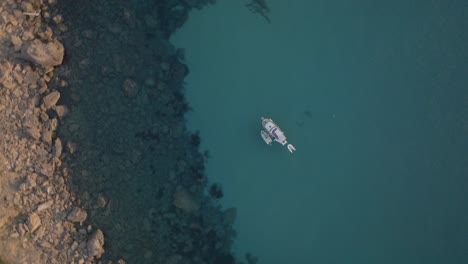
point(61, 110)
point(58, 148)
point(77, 215)
point(51, 99)
point(33, 132)
point(45, 206)
point(5, 70)
point(31, 77)
point(45, 54)
point(95, 244)
point(34, 221)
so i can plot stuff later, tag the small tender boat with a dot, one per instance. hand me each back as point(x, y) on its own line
point(266, 137)
point(271, 131)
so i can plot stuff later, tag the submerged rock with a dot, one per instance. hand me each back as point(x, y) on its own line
point(184, 200)
point(229, 216)
point(77, 215)
point(130, 88)
point(61, 110)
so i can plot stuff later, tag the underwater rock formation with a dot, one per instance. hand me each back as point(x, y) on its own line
point(185, 201)
point(259, 7)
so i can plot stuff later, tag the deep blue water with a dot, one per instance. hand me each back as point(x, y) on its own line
point(374, 97)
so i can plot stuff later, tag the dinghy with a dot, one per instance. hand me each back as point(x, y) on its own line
point(266, 137)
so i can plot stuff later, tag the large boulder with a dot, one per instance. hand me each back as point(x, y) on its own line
point(95, 244)
point(45, 54)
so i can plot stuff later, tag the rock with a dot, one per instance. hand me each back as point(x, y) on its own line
point(53, 124)
point(73, 127)
point(148, 254)
point(58, 148)
point(74, 245)
point(229, 216)
point(150, 82)
point(71, 147)
point(184, 200)
point(61, 110)
point(16, 41)
point(27, 7)
point(31, 77)
point(35, 133)
point(46, 168)
point(47, 135)
point(95, 244)
point(251, 259)
point(77, 215)
point(174, 259)
point(33, 222)
point(45, 54)
point(88, 33)
point(57, 19)
point(5, 70)
point(45, 206)
point(31, 120)
point(27, 35)
point(130, 88)
point(150, 21)
point(51, 99)
point(22, 230)
point(31, 181)
point(44, 117)
point(101, 201)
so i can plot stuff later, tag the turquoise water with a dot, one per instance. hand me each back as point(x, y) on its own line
point(374, 97)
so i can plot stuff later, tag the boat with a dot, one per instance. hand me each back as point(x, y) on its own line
point(266, 137)
point(271, 131)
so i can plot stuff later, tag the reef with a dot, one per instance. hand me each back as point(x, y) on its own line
point(259, 7)
point(96, 162)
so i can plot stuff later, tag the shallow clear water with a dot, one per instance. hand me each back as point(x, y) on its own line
point(373, 96)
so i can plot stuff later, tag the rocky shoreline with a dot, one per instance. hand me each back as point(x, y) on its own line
point(98, 146)
point(39, 217)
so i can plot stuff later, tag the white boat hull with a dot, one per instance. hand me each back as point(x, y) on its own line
point(273, 132)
